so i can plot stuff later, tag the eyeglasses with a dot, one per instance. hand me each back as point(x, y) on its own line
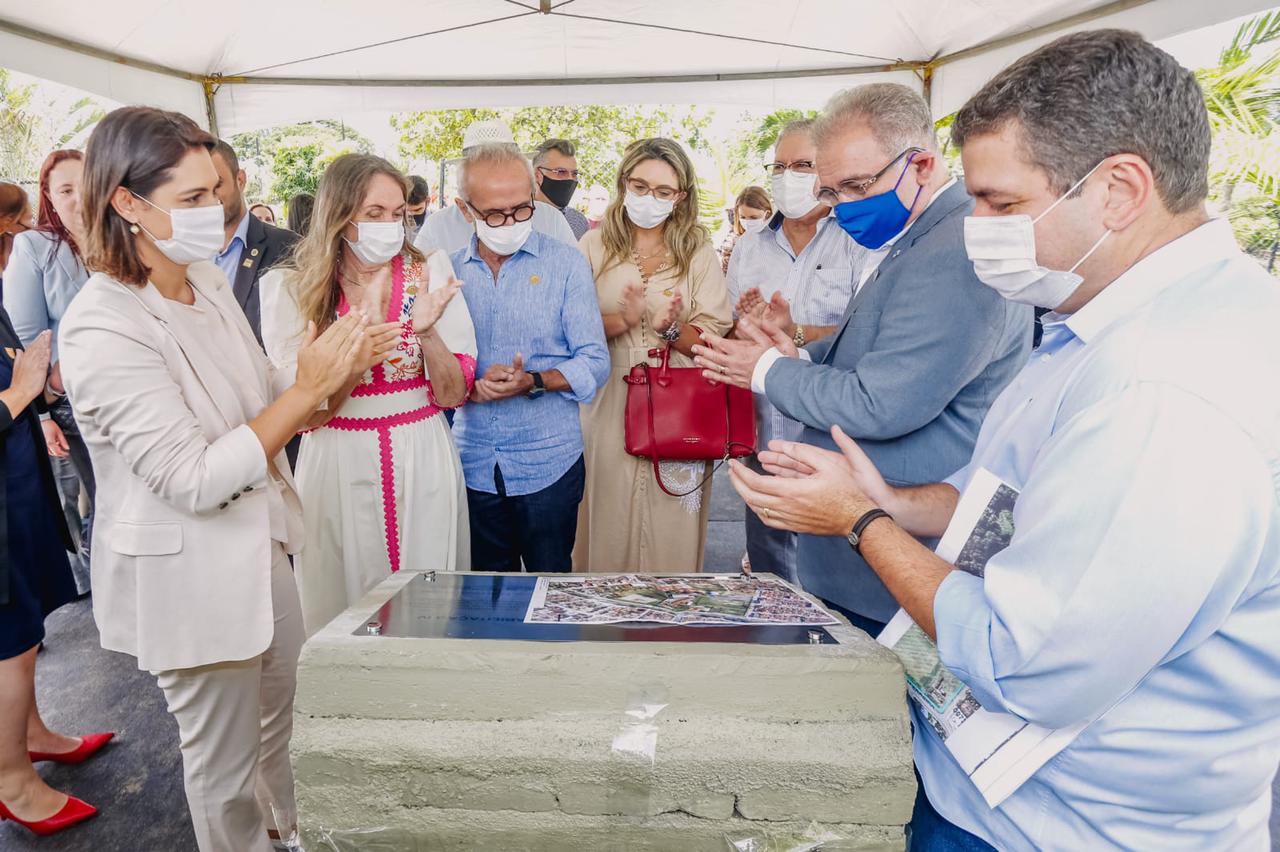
point(857, 187)
point(804, 167)
point(662, 193)
point(559, 174)
point(498, 218)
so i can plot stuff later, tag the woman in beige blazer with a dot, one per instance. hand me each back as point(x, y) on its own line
point(186, 429)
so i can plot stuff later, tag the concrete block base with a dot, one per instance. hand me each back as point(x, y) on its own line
point(453, 744)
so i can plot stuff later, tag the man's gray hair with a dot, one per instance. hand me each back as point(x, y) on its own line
point(1090, 95)
point(564, 146)
point(494, 152)
point(794, 126)
point(898, 117)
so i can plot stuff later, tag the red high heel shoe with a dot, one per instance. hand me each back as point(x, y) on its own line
point(73, 812)
point(89, 746)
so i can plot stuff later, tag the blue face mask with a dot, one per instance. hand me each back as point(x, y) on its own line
point(875, 220)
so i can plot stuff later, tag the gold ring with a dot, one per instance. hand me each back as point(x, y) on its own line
point(767, 513)
point(723, 368)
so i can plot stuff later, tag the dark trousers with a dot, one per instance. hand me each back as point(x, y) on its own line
point(770, 551)
point(536, 529)
point(870, 626)
point(929, 831)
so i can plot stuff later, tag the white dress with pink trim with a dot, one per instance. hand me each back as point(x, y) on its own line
point(381, 484)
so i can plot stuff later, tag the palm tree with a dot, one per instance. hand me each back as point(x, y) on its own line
point(1242, 94)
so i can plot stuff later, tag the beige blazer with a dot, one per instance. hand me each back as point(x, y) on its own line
point(182, 546)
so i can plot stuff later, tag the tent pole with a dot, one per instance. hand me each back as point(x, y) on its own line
point(926, 84)
point(89, 50)
point(210, 86)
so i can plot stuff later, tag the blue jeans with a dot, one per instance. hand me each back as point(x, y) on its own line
point(536, 529)
point(929, 831)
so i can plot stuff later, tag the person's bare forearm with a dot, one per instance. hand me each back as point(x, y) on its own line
point(615, 325)
point(815, 332)
point(910, 571)
point(689, 338)
point(281, 420)
point(923, 510)
point(333, 404)
point(448, 385)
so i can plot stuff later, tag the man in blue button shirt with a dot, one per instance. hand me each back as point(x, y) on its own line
point(1137, 606)
point(542, 353)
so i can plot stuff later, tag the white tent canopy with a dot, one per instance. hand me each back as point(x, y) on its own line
point(239, 65)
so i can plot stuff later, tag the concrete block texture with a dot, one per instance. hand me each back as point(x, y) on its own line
point(494, 744)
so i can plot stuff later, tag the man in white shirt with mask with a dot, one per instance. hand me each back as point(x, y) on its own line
point(449, 229)
point(1136, 605)
point(798, 271)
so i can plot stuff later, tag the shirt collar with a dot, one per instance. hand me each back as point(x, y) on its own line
point(241, 234)
point(1210, 243)
point(932, 198)
point(775, 223)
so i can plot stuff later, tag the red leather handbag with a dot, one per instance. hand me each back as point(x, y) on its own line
point(674, 414)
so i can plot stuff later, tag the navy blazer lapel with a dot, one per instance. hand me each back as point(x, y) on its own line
point(251, 256)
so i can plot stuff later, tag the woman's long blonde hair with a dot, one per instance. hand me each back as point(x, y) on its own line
point(340, 194)
point(683, 234)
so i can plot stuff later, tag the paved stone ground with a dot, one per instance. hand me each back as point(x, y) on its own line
point(138, 781)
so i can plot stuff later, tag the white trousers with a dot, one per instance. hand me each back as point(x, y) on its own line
point(234, 722)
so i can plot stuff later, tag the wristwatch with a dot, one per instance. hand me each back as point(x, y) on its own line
point(538, 388)
point(799, 339)
point(859, 526)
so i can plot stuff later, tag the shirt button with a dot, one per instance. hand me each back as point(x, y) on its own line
point(1045, 357)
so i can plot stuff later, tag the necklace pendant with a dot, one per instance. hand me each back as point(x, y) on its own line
point(668, 292)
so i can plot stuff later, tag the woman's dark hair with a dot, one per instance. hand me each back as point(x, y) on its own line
point(13, 204)
point(300, 207)
point(47, 218)
point(136, 148)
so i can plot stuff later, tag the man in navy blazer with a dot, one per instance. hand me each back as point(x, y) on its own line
point(252, 246)
point(924, 347)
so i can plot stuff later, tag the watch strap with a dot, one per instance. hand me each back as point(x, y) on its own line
point(855, 535)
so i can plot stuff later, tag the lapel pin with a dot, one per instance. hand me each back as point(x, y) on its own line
point(248, 264)
point(12, 353)
point(535, 279)
point(253, 253)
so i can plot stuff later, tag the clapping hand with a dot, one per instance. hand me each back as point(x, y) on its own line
point(750, 303)
point(732, 362)
point(501, 381)
point(379, 341)
point(631, 304)
point(813, 491)
point(31, 368)
point(661, 321)
point(778, 312)
point(427, 309)
point(327, 361)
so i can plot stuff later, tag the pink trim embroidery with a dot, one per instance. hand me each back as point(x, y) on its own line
point(468, 365)
point(379, 388)
point(387, 464)
point(369, 424)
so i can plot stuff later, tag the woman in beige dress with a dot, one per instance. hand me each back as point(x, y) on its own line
point(659, 282)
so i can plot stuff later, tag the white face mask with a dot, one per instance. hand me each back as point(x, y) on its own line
point(198, 233)
point(645, 211)
point(793, 193)
point(377, 242)
point(1003, 252)
point(505, 240)
point(753, 226)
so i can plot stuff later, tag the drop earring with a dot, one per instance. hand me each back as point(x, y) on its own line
point(134, 229)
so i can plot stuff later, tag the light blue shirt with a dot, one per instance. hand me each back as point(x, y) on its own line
point(42, 278)
point(228, 260)
point(818, 283)
point(1140, 591)
point(542, 306)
